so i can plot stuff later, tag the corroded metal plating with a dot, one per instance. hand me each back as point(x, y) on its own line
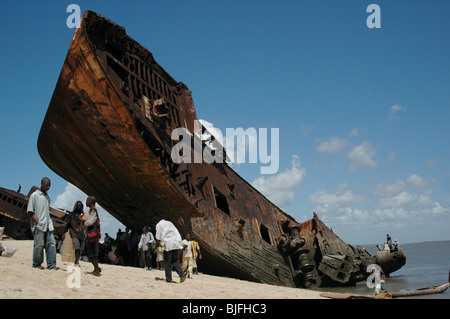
point(108, 131)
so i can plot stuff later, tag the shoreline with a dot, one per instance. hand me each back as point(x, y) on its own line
point(21, 281)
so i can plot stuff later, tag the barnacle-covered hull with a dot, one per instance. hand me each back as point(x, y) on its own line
point(108, 131)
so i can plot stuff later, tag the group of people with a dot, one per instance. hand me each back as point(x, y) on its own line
point(389, 246)
point(164, 248)
point(167, 247)
point(83, 228)
point(131, 248)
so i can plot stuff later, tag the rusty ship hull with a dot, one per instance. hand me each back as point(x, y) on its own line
point(14, 216)
point(108, 131)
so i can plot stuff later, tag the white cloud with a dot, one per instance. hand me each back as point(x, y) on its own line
point(394, 110)
point(403, 205)
point(280, 188)
point(336, 209)
point(237, 150)
point(391, 189)
point(400, 206)
point(217, 133)
point(352, 217)
point(72, 194)
point(413, 181)
point(343, 196)
point(409, 208)
point(360, 156)
point(246, 145)
point(332, 145)
point(67, 199)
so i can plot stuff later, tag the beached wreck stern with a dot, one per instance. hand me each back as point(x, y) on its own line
point(89, 137)
point(108, 131)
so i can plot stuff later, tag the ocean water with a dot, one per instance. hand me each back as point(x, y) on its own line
point(427, 264)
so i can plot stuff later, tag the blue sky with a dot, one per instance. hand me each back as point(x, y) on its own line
point(363, 114)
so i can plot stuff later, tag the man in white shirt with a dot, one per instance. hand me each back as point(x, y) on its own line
point(145, 252)
point(168, 233)
point(42, 226)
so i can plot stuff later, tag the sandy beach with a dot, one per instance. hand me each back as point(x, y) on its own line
point(20, 281)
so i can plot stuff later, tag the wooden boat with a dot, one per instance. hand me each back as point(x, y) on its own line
point(108, 130)
point(420, 292)
point(339, 295)
point(389, 295)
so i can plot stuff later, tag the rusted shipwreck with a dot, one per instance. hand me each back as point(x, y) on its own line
point(108, 131)
point(14, 216)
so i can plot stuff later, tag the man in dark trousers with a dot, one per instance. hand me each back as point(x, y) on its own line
point(167, 233)
point(42, 226)
point(92, 226)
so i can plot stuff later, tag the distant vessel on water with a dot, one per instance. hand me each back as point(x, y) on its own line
point(108, 131)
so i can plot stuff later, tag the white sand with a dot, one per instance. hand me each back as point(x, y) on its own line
point(19, 280)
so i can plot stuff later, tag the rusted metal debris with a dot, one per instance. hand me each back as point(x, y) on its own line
point(14, 216)
point(108, 131)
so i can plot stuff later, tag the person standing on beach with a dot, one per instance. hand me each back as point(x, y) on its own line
point(187, 255)
point(42, 226)
point(160, 256)
point(93, 235)
point(75, 226)
point(144, 248)
point(168, 233)
point(195, 254)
